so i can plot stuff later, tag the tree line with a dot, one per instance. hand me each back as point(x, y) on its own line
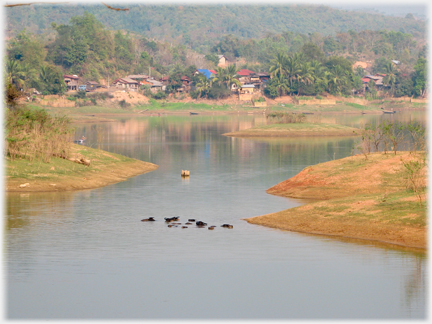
point(299, 64)
point(309, 72)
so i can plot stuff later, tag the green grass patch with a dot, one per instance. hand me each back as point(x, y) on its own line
point(57, 167)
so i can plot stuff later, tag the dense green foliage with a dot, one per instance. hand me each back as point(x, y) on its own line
point(199, 26)
point(300, 64)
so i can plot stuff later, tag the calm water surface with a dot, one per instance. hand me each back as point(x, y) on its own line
point(87, 255)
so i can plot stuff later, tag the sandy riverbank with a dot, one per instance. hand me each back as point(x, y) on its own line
point(358, 198)
point(296, 130)
point(64, 175)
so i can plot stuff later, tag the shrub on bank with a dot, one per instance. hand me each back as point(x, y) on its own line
point(285, 118)
point(34, 134)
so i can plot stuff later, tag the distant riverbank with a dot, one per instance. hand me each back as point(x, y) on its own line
point(358, 198)
point(104, 110)
point(65, 175)
point(296, 130)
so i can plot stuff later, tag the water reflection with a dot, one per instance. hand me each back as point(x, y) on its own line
point(91, 247)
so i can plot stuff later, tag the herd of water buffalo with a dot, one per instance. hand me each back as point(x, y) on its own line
point(172, 222)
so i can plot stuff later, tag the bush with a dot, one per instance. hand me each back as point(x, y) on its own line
point(124, 104)
point(285, 118)
point(194, 94)
point(159, 95)
point(34, 134)
point(80, 94)
point(100, 95)
point(219, 92)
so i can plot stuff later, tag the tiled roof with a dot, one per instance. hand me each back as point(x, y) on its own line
point(245, 72)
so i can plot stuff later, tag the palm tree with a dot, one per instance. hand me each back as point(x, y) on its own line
point(282, 85)
point(14, 73)
point(293, 69)
point(203, 85)
point(28, 74)
point(232, 77)
point(306, 75)
point(221, 76)
point(321, 75)
point(390, 78)
point(279, 64)
point(338, 78)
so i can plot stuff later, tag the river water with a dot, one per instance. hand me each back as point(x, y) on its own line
point(87, 255)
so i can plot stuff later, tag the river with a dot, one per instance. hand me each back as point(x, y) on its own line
point(87, 255)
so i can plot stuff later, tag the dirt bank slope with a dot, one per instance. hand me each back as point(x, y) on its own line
point(363, 199)
point(64, 175)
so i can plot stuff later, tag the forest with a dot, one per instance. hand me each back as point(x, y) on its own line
point(299, 63)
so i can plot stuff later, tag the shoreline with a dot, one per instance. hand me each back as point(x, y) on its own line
point(377, 208)
point(63, 175)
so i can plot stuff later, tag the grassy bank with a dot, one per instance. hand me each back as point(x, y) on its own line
point(295, 130)
point(62, 174)
point(359, 198)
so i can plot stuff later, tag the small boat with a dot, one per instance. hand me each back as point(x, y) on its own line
point(389, 112)
point(193, 113)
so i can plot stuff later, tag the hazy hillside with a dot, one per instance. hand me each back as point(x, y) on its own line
point(200, 26)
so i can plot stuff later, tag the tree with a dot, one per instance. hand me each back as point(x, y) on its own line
point(379, 65)
point(337, 79)
point(279, 65)
point(306, 75)
point(52, 79)
point(312, 52)
point(420, 77)
point(293, 68)
point(390, 78)
point(226, 76)
point(203, 86)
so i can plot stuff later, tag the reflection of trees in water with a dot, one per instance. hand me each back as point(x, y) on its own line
point(415, 285)
point(23, 209)
point(26, 217)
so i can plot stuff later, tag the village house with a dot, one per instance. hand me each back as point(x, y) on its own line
point(140, 78)
point(91, 85)
point(156, 86)
point(245, 92)
point(245, 76)
point(377, 78)
point(186, 84)
point(126, 83)
point(71, 82)
point(223, 61)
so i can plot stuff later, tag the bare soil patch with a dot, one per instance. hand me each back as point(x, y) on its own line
point(359, 198)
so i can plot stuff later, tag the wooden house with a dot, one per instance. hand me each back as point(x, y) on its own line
point(91, 85)
point(71, 82)
point(126, 83)
point(223, 61)
point(156, 86)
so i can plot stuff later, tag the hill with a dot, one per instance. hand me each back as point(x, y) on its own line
point(199, 26)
